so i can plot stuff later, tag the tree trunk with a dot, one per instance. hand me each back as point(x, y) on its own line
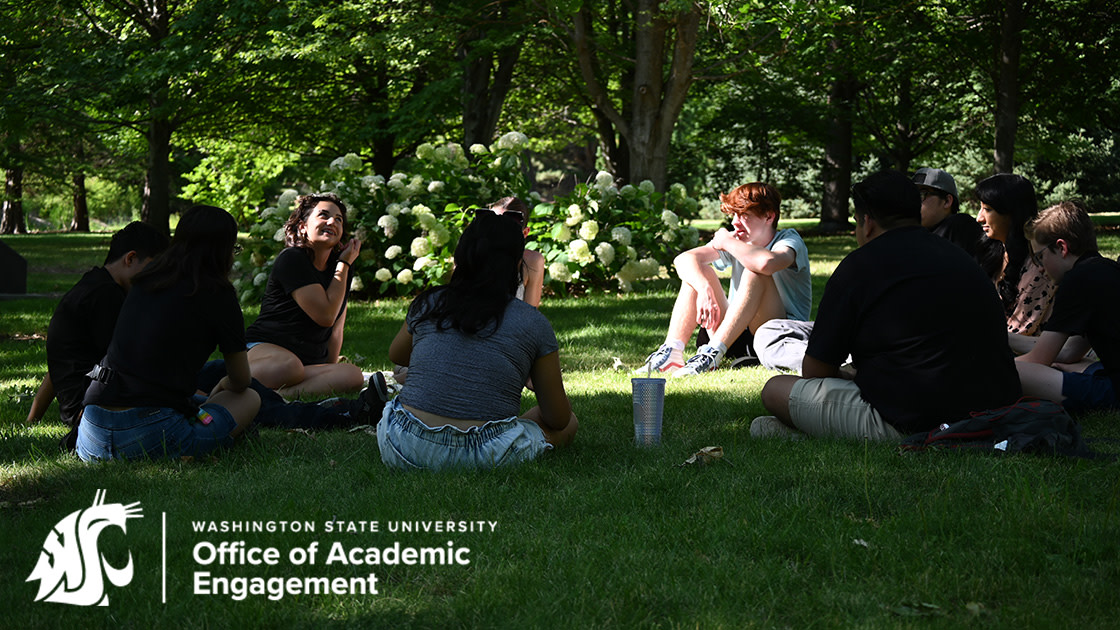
point(837, 169)
point(483, 94)
point(657, 101)
point(13, 221)
point(1007, 85)
point(657, 93)
point(156, 210)
point(81, 208)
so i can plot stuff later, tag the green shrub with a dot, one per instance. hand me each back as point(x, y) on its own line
point(595, 237)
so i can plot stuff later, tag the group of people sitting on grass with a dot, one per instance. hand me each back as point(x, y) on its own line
point(918, 326)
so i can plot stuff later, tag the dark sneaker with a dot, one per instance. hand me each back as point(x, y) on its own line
point(661, 360)
point(372, 399)
point(705, 360)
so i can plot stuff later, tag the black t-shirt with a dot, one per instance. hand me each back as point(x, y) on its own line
point(1088, 303)
point(79, 335)
point(282, 321)
point(161, 341)
point(924, 327)
point(961, 230)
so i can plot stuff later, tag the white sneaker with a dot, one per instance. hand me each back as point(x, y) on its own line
point(705, 360)
point(771, 426)
point(663, 359)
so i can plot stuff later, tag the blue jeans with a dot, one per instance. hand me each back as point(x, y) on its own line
point(152, 432)
point(1088, 390)
point(406, 443)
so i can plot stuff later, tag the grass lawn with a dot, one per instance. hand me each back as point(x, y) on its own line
point(780, 534)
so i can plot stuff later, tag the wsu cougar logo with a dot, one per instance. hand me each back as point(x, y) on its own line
point(70, 569)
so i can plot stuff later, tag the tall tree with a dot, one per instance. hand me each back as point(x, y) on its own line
point(636, 61)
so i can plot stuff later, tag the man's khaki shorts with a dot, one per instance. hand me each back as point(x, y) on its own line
point(833, 407)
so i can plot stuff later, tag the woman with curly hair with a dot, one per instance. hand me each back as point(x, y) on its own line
point(294, 344)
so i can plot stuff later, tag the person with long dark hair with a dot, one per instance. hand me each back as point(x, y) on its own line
point(470, 346)
point(181, 306)
point(295, 342)
point(1007, 205)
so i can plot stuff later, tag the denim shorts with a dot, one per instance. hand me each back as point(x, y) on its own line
point(1091, 389)
point(152, 432)
point(406, 443)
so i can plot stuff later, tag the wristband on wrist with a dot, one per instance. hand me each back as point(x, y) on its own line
point(344, 262)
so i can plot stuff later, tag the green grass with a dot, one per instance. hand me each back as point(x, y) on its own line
point(781, 534)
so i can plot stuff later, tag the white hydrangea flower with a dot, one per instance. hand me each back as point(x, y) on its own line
point(646, 186)
point(564, 234)
point(420, 247)
point(575, 215)
point(260, 279)
point(279, 235)
point(580, 252)
point(629, 271)
point(405, 276)
point(650, 267)
point(396, 184)
point(287, 198)
point(397, 177)
point(669, 236)
point(383, 275)
point(605, 253)
point(238, 266)
point(479, 149)
point(604, 179)
point(512, 140)
point(621, 235)
point(625, 286)
point(439, 235)
point(628, 192)
point(356, 284)
point(361, 233)
point(589, 230)
point(350, 161)
point(268, 213)
point(393, 209)
point(535, 196)
point(389, 224)
point(670, 218)
point(393, 252)
point(435, 186)
point(422, 262)
point(425, 151)
point(369, 180)
point(678, 191)
point(427, 220)
point(559, 271)
point(631, 253)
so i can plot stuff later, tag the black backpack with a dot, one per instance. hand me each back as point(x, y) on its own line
point(1030, 425)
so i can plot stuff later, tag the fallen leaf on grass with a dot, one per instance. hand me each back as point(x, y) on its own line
point(861, 542)
point(618, 364)
point(920, 609)
point(705, 456)
point(365, 428)
point(303, 431)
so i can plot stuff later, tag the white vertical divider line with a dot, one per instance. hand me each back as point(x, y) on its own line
point(164, 561)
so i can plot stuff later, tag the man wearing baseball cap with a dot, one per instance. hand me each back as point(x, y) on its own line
point(941, 209)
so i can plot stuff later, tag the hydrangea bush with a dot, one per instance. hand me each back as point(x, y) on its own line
point(598, 236)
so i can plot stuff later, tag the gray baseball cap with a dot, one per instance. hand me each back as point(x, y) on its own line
point(936, 178)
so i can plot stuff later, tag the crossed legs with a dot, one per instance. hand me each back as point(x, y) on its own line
point(279, 369)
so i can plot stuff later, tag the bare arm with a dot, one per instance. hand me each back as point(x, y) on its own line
point(534, 277)
point(1047, 349)
point(334, 344)
point(237, 376)
point(755, 258)
point(43, 398)
point(556, 410)
point(400, 350)
point(815, 368)
point(1074, 349)
point(322, 305)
